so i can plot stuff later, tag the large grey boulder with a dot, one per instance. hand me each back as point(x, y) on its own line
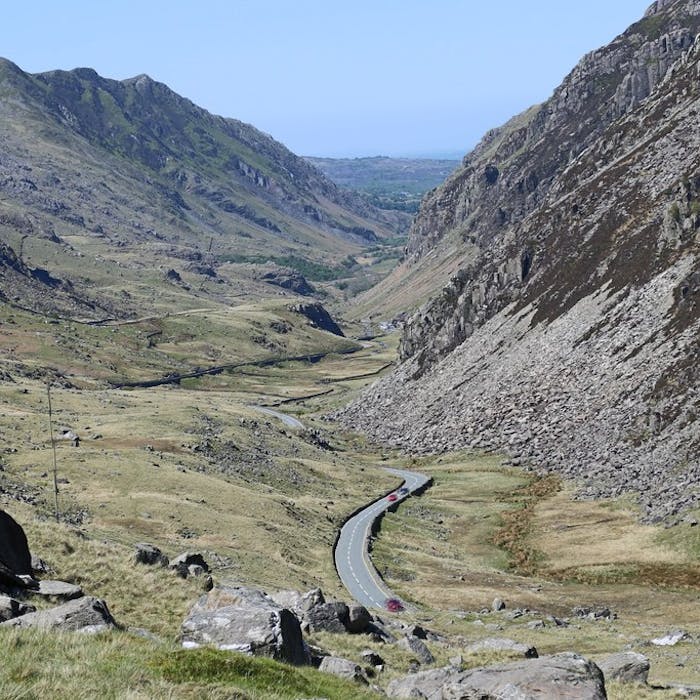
point(505, 645)
point(58, 591)
point(11, 608)
point(343, 668)
point(358, 619)
point(245, 620)
point(327, 617)
point(85, 614)
point(625, 667)
point(564, 677)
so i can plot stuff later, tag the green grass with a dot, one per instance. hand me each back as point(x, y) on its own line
point(261, 678)
point(120, 665)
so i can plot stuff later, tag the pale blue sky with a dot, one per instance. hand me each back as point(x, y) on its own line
point(329, 78)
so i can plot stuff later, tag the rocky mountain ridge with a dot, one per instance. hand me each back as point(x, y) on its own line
point(569, 335)
point(103, 168)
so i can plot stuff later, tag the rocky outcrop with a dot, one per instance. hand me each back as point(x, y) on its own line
point(245, 620)
point(327, 617)
point(567, 339)
point(560, 676)
point(57, 591)
point(189, 564)
point(418, 648)
point(318, 317)
point(343, 668)
point(290, 279)
point(625, 667)
point(499, 644)
point(87, 615)
point(318, 615)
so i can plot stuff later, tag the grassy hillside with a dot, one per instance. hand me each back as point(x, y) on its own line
point(107, 186)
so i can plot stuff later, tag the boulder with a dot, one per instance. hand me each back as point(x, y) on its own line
point(245, 620)
point(288, 278)
point(343, 668)
point(372, 658)
point(300, 603)
point(11, 608)
point(418, 647)
point(358, 619)
point(625, 667)
point(498, 604)
point(505, 645)
point(181, 564)
point(58, 591)
point(150, 555)
point(14, 550)
point(378, 632)
point(187, 559)
point(327, 617)
point(85, 614)
point(563, 676)
point(424, 684)
point(671, 639)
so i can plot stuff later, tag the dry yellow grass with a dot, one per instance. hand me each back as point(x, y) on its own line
point(581, 534)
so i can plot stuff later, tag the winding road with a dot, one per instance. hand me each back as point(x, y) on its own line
point(289, 421)
point(352, 561)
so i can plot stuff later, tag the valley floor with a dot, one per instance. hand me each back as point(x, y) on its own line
point(195, 466)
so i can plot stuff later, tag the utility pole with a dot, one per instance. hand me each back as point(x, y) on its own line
point(53, 447)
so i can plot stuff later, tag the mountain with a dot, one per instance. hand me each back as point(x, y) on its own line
point(566, 330)
point(113, 177)
point(391, 183)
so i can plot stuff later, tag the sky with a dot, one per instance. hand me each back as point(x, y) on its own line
point(336, 78)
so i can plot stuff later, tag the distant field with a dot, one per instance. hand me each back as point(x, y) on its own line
point(390, 183)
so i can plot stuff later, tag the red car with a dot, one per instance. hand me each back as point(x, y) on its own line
point(393, 605)
point(392, 497)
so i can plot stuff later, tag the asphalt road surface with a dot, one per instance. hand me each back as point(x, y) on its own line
point(289, 421)
point(352, 560)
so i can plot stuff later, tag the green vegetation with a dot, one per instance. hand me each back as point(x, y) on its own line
point(117, 665)
point(261, 678)
point(388, 183)
point(651, 27)
point(314, 271)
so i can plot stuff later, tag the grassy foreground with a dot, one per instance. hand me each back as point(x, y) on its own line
point(120, 665)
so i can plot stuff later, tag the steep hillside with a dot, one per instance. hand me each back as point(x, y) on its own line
point(122, 176)
point(511, 170)
point(568, 335)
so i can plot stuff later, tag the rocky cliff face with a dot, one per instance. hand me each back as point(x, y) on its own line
point(569, 336)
